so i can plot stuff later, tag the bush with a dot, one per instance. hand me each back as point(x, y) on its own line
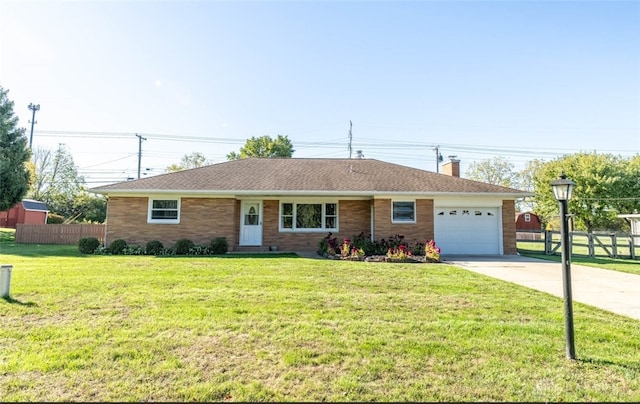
point(199, 250)
point(154, 247)
point(117, 246)
point(88, 245)
point(183, 246)
point(218, 245)
point(133, 250)
point(53, 218)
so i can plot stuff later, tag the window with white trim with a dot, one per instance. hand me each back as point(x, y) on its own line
point(403, 212)
point(164, 211)
point(314, 216)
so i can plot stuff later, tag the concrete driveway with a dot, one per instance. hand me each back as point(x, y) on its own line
point(613, 291)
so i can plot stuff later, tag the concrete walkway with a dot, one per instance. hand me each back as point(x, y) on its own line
point(613, 291)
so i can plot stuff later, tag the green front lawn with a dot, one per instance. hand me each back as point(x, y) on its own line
point(140, 328)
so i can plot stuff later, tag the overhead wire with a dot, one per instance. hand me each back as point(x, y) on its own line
point(416, 152)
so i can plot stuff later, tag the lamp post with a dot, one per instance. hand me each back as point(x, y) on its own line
point(562, 189)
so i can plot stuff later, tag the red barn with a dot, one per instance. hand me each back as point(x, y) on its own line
point(526, 221)
point(25, 212)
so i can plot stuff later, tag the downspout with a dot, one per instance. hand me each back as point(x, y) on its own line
point(372, 220)
point(106, 219)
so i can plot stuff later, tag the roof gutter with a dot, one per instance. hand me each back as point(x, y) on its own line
point(273, 193)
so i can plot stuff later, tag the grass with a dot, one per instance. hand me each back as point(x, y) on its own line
point(139, 328)
point(536, 250)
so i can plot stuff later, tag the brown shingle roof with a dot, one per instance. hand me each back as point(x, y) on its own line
point(308, 176)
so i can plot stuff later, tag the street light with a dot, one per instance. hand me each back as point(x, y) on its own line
point(562, 189)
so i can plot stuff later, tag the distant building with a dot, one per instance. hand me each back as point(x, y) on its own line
point(26, 211)
point(528, 226)
point(526, 221)
point(634, 223)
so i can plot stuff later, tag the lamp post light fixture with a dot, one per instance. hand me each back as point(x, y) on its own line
point(562, 189)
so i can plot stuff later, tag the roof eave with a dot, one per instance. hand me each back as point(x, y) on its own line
point(234, 193)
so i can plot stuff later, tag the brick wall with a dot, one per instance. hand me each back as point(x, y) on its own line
point(354, 217)
point(201, 220)
point(270, 235)
point(509, 228)
point(413, 232)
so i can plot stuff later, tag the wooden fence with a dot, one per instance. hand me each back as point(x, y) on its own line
point(58, 233)
point(592, 245)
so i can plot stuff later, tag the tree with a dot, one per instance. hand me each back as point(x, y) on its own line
point(193, 160)
point(264, 146)
point(89, 208)
point(601, 182)
point(57, 182)
point(525, 183)
point(629, 200)
point(496, 171)
point(14, 154)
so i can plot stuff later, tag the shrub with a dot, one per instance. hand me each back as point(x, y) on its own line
point(199, 250)
point(53, 218)
point(88, 245)
point(167, 251)
point(154, 247)
point(364, 243)
point(117, 246)
point(328, 245)
point(133, 250)
point(183, 246)
point(218, 245)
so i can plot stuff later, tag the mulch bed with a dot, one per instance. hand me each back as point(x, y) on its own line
point(416, 259)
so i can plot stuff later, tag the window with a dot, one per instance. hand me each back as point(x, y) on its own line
point(308, 216)
point(403, 212)
point(527, 217)
point(164, 211)
point(251, 217)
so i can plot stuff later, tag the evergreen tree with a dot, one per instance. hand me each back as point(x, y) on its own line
point(14, 154)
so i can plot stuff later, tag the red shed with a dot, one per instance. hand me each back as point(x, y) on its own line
point(526, 221)
point(27, 211)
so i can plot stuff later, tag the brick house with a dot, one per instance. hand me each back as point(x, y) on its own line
point(293, 203)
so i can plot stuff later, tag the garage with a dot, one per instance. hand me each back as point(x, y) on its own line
point(460, 230)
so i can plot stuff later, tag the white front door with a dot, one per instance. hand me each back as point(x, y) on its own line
point(251, 223)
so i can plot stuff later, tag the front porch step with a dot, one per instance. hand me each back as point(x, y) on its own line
point(251, 249)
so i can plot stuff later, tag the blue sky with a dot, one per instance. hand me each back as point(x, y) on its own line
point(519, 79)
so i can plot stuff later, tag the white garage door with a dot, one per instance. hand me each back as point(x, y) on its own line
point(468, 230)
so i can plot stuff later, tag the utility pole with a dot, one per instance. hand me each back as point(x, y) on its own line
point(33, 108)
point(350, 137)
point(438, 158)
point(140, 139)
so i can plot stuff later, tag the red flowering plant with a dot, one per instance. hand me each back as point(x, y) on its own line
point(349, 251)
point(329, 245)
point(400, 252)
point(432, 251)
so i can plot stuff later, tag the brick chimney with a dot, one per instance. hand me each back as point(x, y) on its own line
point(451, 167)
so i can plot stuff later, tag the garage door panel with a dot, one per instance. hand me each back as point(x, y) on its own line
point(467, 230)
